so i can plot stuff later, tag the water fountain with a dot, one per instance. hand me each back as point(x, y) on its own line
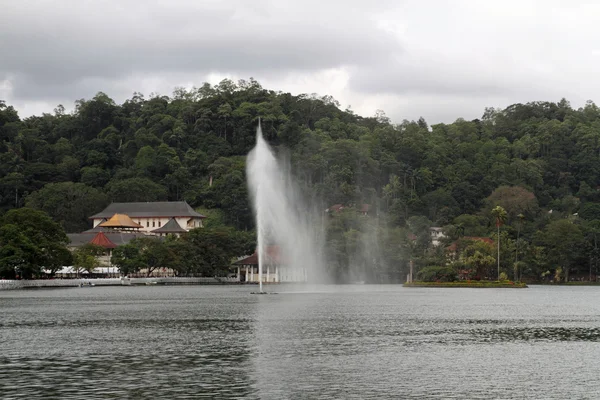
point(284, 219)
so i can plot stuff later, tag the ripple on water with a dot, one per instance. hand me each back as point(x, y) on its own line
point(200, 342)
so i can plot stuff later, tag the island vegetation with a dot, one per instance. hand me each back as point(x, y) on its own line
point(448, 276)
point(539, 162)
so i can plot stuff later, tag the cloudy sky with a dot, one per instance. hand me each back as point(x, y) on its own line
point(436, 59)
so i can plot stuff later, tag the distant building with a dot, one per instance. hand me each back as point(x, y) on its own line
point(275, 269)
point(151, 216)
point(364, 209)
point(437, 235)
point(172, 227)
point(120, 223)
point(114, 238)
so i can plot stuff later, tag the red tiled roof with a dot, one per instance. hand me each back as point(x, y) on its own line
point(101, 240)
point(272, 254)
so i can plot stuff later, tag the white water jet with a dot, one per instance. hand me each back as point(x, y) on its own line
point(289, 230)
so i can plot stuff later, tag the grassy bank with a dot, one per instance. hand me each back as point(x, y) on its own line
point(469, 284)
point(579, 283)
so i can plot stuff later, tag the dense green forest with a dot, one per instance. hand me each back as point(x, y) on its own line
point(539, 161)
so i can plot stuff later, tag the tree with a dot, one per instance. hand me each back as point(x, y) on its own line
point(480, 262)
point(514, 199)
point(127, 258)
point(29, 242)
point(500, 216)
point(135, 189)
point(590, 211)
point(154, 253)
point(14, 182)
point(521, 218)
point(85, 258)
point(70, 204)
point(94, 176)
point(563, 242)
point(210, 251)
point(478, 256)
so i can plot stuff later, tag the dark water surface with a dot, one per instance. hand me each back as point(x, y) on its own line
point(348, 342)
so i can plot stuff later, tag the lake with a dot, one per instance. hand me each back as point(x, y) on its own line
point(330, 342)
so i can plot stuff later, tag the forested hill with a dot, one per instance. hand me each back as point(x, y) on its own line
point(192, 146)
point(167, 148)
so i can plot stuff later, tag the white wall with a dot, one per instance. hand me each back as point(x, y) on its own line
point(150, 224)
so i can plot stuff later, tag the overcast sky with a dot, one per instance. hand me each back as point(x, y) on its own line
point(437, 59)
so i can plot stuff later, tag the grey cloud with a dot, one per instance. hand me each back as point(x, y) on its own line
point(438, 59)
point(54, 53)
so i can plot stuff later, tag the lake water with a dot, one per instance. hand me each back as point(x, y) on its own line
point(347, 342)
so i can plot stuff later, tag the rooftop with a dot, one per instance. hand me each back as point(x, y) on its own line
point(154, 209)
point(170, 227)
point(273, 256)
point(120, 221)
point(101, 240)
point(117, 238)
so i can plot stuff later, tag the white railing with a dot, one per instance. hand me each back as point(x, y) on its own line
point(21, 284)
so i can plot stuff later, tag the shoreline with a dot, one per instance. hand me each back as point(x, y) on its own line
point(6, 284)
point(474, 284)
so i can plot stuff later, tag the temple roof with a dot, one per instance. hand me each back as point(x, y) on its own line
point(148, 210)
point(120, 221)
point(170, 227)
point(101, 240)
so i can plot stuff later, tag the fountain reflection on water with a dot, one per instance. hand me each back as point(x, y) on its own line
point(283, 218)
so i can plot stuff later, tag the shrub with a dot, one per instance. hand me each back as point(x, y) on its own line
point(503, 277)
point(435, 273)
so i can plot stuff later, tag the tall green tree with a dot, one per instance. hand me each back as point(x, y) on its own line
point(499, 214)
point(31, 241)
point(127, 258)
point(85, 258)
point(563, 241)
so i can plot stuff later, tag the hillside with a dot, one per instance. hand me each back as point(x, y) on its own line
point(540, 161)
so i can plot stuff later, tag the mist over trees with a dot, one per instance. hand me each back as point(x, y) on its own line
point(539, 161)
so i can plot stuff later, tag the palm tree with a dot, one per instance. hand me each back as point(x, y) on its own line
point(521, 219)
point(499, 215)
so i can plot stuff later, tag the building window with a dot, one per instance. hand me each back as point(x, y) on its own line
point(159, 224)
point(147, 224)
point(153, 224)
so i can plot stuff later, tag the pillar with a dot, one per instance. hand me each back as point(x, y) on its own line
point(252, 273)
point(277, 273)
point(268, 274)
point(246, 274)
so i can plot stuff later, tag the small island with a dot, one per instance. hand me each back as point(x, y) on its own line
point(469, 284)
point(436, 276)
